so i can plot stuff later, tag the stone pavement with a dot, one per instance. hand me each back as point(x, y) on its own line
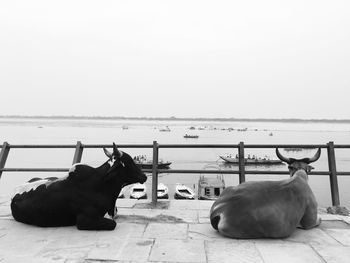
point(174, 231)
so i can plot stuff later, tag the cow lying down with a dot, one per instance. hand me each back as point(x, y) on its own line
point(268, 209)
point(81, 198)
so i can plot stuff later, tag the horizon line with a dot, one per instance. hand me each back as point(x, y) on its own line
point(173, 118)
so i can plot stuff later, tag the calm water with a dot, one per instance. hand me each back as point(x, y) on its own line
point(37, 131)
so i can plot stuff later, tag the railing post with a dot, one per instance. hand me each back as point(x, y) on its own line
point(155, 172)
point(241, 165)
point(3, 155)
point(78, 152)
point(333, 174)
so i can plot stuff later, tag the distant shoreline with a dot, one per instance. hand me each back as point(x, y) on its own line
point(291, 120)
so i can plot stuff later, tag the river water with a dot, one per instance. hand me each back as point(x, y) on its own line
point(92, 131)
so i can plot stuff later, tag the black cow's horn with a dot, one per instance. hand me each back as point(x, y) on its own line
point(116, 152)
point(108, 153)
point(281, 157)
point(315, 157)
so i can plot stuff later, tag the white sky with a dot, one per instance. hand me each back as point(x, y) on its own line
point(264, 59)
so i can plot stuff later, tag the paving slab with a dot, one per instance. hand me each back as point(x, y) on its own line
point(120, 249)
point(205, 204)
point(178, 250)
point(203, 232)
point(341, 235)
point(203, 216)
point(287, 252)
point(70, 237)
point(124, 230)
point(138, 215)
point(187, 216)
point(166, 231)
point(67, 254)
point(315, 236)
point(184, 205)
point(345, 219)
point(232, 251)
point(126, 203)
point(23, 244)
point(329, 217)
point(335, 224)
point(26, 259)
point(334, 254)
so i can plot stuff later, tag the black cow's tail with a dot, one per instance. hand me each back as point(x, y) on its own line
point(215, 221)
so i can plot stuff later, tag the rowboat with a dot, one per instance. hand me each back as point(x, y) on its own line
point(162, 191)
point(138, 191)
point(251, 161)
point(183, 192)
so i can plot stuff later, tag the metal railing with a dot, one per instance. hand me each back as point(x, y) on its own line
point(79, 147)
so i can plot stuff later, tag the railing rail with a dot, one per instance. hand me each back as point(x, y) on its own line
point(241, 172)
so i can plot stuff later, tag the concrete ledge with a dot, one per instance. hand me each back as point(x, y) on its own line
point(174, 231)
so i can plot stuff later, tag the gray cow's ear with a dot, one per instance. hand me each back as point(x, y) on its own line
point(108, 153)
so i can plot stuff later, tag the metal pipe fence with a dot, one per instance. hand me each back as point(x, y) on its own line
point(241, 172)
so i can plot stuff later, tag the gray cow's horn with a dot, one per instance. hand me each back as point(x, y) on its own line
point(281, 157)
point(315, 157)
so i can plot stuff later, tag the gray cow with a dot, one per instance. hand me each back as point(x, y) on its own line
point(268, 209)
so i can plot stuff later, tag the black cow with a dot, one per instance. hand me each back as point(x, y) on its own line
point(268, 209)
point(82, 198)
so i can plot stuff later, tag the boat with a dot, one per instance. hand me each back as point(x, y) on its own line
point(144, 163)
point(183, 192)
point(295, 149)
point(188, 136)
point(162, 191)
point(210, 186)
point(165, 129)
point(254, 160)
point(138, 191)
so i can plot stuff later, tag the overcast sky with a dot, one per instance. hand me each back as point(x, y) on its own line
point(264, 59)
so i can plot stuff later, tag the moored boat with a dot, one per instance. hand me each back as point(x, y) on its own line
point(296, 149)
point(210, 186)
point(162, 191)
point(188, 136)
point(165, 129)
point(144, 163)
point(251, 160)
point(183, 192)
point(138, 191)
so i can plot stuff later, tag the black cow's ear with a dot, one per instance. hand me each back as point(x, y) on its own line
point(108, 153)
